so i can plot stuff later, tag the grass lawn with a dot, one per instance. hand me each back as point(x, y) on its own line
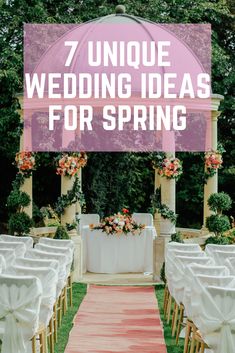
point(79, 291)
point(170, 342)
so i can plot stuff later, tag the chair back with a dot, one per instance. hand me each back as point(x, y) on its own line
point(143, 218)
point(211, 248)
point(26, 262)
point(221, 256)
point(57, 242)
point(200, 269)
point(182, 246)
point(48, 278)
point(28, 241)
point(20, 299)
point(230, 263)
point(62, 275)
point(19, 247)
point(218, 281)
point(9, 255)
point(87, 219)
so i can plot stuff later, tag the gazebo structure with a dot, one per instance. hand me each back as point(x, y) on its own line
point(168, 187)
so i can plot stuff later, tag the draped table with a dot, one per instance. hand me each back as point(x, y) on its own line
point(122, 253)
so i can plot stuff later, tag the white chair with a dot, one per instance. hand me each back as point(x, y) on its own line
point(28, 241)
point(182, 246)
point(40, 255)
point(9, 256)
point(87, 219)
point(49, 279)
point(143, 218)
point(197, 269)
point(58, 250)
point(20, 248)
point(221, 256)
point(20, 299)
point(26, 262)
point(213, 312)
point(57, 242)
point(2, 264)
point(211, 248)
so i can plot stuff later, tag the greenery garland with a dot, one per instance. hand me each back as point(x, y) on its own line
point(74, 195)
point(163, 209)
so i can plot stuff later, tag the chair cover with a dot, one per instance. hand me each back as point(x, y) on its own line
point(9, 255)
point(26, 262)
point(62, 276)
point(143, 218)
point(221, 256)
point(2, 264)
point(28, 241)
point(87, 219)
point(194, 253)
point(230, 263)
point(20, 248)
point(199, 269)
point(20, 299)
point(58, 250)
point(214, 315)
point(210, 248)
point(57, 242)
point(49, 279)
point(182, 246)
point(177, 275)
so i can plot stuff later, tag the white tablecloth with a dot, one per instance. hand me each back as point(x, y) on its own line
point(104, 253)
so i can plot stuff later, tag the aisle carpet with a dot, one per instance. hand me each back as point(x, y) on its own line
point(117, 319)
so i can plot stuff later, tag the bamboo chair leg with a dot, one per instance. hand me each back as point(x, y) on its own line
point(180, 322)
point(51, 336)
point(193, 340)
point(55, 322)
point(34, 347)
point(187, 336)
point(169, 309)
point(175, 319)
point(71, 290)
point(166, 296)
point(202, 348)
point(166, 304)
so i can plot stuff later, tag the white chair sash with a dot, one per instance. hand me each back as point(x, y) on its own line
point(49, 279)
point(20, 299)
point(28, 241)
point(214, 315)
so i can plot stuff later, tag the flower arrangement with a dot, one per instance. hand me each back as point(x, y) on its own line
point(170, 168)
point(69, 165)
point(25, 161)
point(213, 162)
point(119, 223)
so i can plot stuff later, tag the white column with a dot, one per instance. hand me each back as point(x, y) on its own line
point(168, 198)
point(70, 211)
point(212, 183)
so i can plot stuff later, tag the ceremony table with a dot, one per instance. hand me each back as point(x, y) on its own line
point(103, 253)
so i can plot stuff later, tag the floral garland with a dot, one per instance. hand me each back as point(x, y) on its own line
point(69, 165)
point(170, 168)
point(25, 162)
point(120, 223)
point(213, 162)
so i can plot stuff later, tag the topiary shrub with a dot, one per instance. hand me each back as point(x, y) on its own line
point(219, 240)
point(218, 224)
point(61, 233)
point(219, 202)
point(20, 223)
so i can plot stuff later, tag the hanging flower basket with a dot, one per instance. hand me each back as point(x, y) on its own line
point(170, 168)
point(69, 165)
point(25, 162)
point(213, 162)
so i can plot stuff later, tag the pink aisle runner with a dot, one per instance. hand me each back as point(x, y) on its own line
point(117, 319)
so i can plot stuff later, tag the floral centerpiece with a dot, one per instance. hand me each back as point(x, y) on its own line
point(69, 165)
point(25, 161)
point(170, 168)
point(119, 223)
point(213, 161)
